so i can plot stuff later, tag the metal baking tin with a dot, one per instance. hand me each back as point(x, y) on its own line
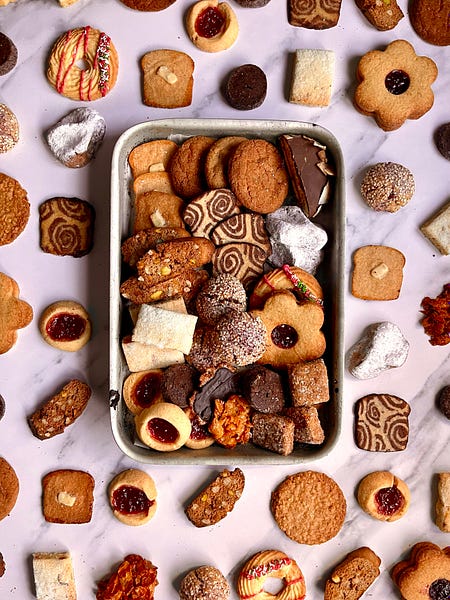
point(330, 275)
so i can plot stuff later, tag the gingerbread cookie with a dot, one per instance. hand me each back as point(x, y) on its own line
point(318, 14)
point(8, 54)
point(258, 177)
point(68, 496)
point(14, 209)
point(66, 226)
point(381, 423)
point(425, 573)
point(212, 25)
point(187, 166)
point(168, 78)
point(383, 496)
point(9, 488)
point(203, 213)
point(217, 159)
point(309, 507)
point(430, 20)
point(293, 330)
point(132, 496)
point(382, 15)
point(204, 583)
point(65, 325)
point(387, 186)
point(377, 273)
point(394, 85)
point(353, 576)
point(9, 129)
point(14, 313)
point(98, 54)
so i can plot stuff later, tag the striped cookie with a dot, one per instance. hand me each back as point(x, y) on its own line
point(316, 14)
point(381, 423)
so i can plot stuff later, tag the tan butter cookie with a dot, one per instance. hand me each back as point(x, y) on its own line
point(14, 313)
point(217, 159)
point(377, 273)
point(383, 15)
point(132, 497)
point(383, 496)
point(430, 20)
point(212, 25)
point(151, 156)
point(9, 488)
point(157, 209)
point(187, 167)
point(309, 507)
point(168, 78)
point(14, 209)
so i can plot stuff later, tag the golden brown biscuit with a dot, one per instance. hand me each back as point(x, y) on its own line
point(212, 25)
point(65, 325)
point(394, 85)
point(14, 209)
point(68, 496)
point(154, 181)
point(101, 64)
point(142, 389)
point(257, 176)
point(430, 20)
point(164, 427)
point(187, 167)
point(168, 78)
point(185, 284)
point(132, 496)
point(309, 507)
point(127, 578)
point(9, 129)
point(293, 330)
point(382, 15)
point(158, 209)
point(9, 488)
point(377, 273)
point(383, 496)
point(151, 156)
point(217, 159)
point(353, 576)
point(14, 313)
point(231, 424)
point(304, 285)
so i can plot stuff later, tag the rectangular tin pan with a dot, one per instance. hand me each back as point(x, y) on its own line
point(330, 275)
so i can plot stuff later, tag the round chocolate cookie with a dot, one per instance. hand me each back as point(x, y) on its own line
point(2, 407)
point(178, 384)
point(442, 140)
point(252, 3)
point(246, 87)
point(148, 5)
point(8, 54)
point(444, 401)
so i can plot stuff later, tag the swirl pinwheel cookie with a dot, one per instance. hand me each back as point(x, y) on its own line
point(381, 423)
point(394, 85)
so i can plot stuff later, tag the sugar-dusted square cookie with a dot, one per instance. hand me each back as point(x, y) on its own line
point(377, 273)
point(68, 496)
point(312, 77)
point(53, 576)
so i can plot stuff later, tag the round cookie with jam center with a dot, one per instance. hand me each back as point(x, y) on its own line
point(383, 496)
point(246, 87)
point(309, 507)
point(257, 176)
point(65, 325)
point(132, 496)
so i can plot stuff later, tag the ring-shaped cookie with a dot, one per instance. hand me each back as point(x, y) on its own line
point(212, 25)
point(83, 64)
point(65, 325)
point(271, 563)
point(163, 426)
point(132, 496)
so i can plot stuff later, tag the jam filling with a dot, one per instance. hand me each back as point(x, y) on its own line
point(284, 336)
point(439, 589)
point(66, 327)
point(162, 431)
point(198, 430)
point(209, 22)
point(389, 500)
point(397, 82)
point(147, 389)
point(130, 500)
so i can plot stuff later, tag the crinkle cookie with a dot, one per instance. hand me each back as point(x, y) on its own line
point(204, 583)
point(383, 346)
point(387, 186)
point(394, 85)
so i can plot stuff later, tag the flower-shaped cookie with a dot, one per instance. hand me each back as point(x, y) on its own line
point(425, 574)
point(395, 85)
point(14, 313)
point(293, 330)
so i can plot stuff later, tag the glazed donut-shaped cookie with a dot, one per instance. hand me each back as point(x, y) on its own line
point(83, 64)
point(271, 563)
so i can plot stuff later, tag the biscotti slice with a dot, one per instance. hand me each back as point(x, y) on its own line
point(217, 499)
point(134, 247)
point(168, 78)
point(61, 410)
point(312, 77)
point(353, 576)
point(53, 576)
point(437, 229)
point(174, 257)
point(68, 496)
point(186, 284)
point(151, 156)
point(273, 432)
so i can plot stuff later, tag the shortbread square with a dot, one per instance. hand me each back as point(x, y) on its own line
point(312, 77)
point(53, 576)
point(437, 229)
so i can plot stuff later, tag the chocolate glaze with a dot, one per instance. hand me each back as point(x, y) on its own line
point(220, 386)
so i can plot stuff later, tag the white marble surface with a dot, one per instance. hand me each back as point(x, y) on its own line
point(32, 369)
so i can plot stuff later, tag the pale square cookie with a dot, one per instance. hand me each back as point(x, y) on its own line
point(312, 77)
point(53, 576)
point(377, 273)
point(437, 229)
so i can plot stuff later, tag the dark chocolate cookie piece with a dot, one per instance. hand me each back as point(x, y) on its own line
point(246, 87)
point(442, 140)
point(8, 54)
point(252, 3)
point(444, 401)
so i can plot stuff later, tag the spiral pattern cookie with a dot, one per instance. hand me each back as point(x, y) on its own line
point(95, 49)
point(314, 14)
point(382, 423)
point(67, 226)
point(244, 261)
point(245, 227)
point(203, 213)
